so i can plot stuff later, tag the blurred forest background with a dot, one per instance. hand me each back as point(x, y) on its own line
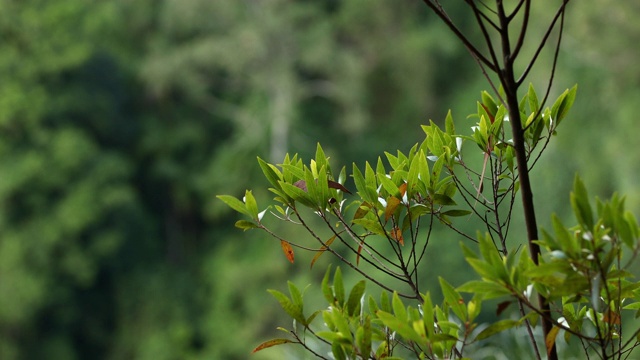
point(121, 120)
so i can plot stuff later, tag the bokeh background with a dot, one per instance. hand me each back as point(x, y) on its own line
point(121, 120)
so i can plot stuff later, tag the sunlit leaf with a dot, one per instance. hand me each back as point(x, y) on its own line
point(251, 204)
point(235, 204)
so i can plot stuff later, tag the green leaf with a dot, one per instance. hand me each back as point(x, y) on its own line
point(428, 317)
point(455, 213)
point(341, 323)
point(580, 204)
point(371, 225)
point(293, 310)
point(448, 124)
point(488, 101)
point(388, 185)
point(355, 297)
point(338, 286)
point(235, 204)
point(442, 199)
point(563, 104)
point(398, 307)
point(486, 290)
point(296, 296)
point(246, 225)
point(338, 352)
point(326, 289)
point(533, 99)
point(453, 298)
point(297, 194)
point(272, 173)
point(251, 204)
point(497, 327)
point(321, 159)
point(363, 338)
point(399, 326)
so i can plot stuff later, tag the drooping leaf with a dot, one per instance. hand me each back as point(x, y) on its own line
point(287, 249)
point(338, 186)
point(270, 343)
point(246, 225)
point(496, 328)
point(322, 250)
point(396, 234)
point(550, 340)
point(392, 204)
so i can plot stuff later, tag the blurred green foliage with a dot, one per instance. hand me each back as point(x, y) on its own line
point(120, 120)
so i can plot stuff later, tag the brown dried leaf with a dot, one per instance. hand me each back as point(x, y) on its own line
point(396, 234)
point(288, 250)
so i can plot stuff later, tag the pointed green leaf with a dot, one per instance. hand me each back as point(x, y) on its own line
point(288, 306)
point(580, 204)
point(355, 297)
point(497, 327)
point(338, 286)
point(272, 173)
point(453, 298)
point(235, 204)
point(326, 289)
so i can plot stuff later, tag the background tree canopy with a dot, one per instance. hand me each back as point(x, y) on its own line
point(120, 121)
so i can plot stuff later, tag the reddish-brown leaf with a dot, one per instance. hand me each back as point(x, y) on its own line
point(288, 250)
point(502, 307)
point(392, 205)
point(332, 184)
point(337, 185)
point(323, 249)
point(611, 317)
point(403, 189)
point(270, 343)
point(358, 255)
point(301, 184)
point(396, 234)
point(491, 117)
